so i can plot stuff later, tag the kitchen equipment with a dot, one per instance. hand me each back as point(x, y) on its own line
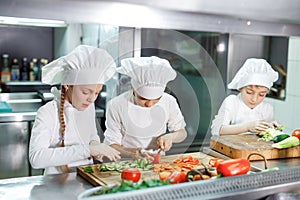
point(5, 107)
point(241, 146)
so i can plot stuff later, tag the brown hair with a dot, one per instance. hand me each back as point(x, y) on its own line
point(63, 168)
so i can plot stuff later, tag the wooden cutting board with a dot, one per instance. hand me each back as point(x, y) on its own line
point(98, 178)
point(240, 146)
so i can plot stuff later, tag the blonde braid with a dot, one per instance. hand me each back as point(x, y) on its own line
point(63, 168)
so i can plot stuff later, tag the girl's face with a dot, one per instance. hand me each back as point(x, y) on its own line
point(81, 96)
point(145, 102)
point(253, 95)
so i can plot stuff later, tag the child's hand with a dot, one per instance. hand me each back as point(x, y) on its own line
point(258, 126)
point(165, 142)
point(100, 150)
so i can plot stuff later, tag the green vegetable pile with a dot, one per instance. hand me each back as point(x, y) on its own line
point(140, 163)
point(129, 186)
point(270, 133)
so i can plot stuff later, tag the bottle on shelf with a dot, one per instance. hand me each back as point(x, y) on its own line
point(5, 71)
point(35, 69)
point(31, 71)
point(15, 70)
point(43, 62)
point(24, 70)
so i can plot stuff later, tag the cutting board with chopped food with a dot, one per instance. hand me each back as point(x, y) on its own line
point(240, 146)
point(110, 173)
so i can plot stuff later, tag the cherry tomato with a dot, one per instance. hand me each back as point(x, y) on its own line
point(296, 133)
point(131, 174)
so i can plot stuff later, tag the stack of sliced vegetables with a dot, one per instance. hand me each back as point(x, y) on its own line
point(281, 140)
point(140, 163)
point(269, 134)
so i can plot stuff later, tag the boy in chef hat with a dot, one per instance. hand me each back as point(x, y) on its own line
point(247, 111)
point(64, 133)
point(139, 118)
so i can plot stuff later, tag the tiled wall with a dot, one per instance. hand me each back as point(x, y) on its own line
point(288, 112)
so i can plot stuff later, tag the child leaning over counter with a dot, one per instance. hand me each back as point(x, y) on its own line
point(247, 111)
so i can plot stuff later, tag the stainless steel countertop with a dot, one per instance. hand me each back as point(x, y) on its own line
point(69, 186)
point(64, 186)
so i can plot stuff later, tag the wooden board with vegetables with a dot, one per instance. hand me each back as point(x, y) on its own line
point(110, 173)
point(174, 169)
point(272, 145)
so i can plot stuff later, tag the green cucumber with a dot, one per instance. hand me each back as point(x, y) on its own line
point(279, 138)
point(287, 143)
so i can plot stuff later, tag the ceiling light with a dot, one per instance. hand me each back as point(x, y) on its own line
point(31, 22)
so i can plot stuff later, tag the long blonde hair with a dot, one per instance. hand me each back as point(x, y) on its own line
point(64, 168)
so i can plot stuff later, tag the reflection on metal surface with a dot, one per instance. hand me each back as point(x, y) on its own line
point(13, 154)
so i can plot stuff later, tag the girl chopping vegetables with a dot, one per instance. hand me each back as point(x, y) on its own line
point(145, 117)
point(247, 111)
point(64, 133)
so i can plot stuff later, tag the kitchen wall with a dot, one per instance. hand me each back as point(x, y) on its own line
point(287, 112)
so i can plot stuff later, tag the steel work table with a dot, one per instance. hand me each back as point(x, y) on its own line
point(69, 186)
point(64, 186)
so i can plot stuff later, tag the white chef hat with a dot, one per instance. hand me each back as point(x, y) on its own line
point(149, 75)
point(84, 65)
point(254, 72)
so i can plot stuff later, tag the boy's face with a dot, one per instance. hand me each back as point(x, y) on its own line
point(81, 96)
point(253, 95)
point(145, 102)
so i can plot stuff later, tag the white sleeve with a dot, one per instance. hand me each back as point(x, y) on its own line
point(225, 115)
point(42, 153)
point(113, 123)
point(176, 119)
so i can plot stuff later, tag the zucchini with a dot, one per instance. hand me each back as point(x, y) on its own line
point(279, 138)
point(287, 143)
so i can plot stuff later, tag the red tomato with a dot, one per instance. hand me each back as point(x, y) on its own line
point(296, 133)
point(131, 174)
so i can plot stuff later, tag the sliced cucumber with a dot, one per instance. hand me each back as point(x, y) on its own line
point(287, 143)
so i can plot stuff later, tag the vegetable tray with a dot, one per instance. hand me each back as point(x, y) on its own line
point(241, 146)
point(99, 178)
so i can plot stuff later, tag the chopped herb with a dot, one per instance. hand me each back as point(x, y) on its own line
point(88, 169)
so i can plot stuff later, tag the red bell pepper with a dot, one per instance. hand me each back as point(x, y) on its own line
point(234, 167)
point(177, 177)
